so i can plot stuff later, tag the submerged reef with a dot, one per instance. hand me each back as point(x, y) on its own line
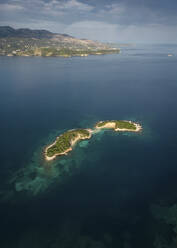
point(66, 234)
point(166, 217)
point(40, 176)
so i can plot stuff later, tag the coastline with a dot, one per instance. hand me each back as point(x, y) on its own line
point(112, 125)
point(73, 142)
point(60, 56)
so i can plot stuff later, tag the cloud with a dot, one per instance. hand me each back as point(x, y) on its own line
point(74, 4)
point(135, 13)
point(115, 8)
point(42, 9)
point(93, 30)
point(10, 7)
point(114, 20)
point(52, 5)
point(108, 32)
point(153, 33)
point(60, 8)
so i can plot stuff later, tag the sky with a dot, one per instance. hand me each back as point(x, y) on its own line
point(121, 21)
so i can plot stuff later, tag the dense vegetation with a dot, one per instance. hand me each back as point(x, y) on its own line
point(27, 42)
point(64, 141)
point(125, 124)
point(119, 124)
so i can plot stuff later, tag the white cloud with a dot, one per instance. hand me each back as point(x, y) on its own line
point(74, 4)
point(110, 22)
point(52, 8)
point(10, 7)
point(115, 8)
point(55, 7)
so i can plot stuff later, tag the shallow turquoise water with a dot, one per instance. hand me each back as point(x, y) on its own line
point(101, 193)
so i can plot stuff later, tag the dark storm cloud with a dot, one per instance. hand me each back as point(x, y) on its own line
point(115, 20)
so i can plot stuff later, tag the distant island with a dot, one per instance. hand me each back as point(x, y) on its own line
point(28, 42)
point(65, 142)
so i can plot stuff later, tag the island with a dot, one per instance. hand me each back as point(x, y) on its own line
point(66, 141)
point(119, 126)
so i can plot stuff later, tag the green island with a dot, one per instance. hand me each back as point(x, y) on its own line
point(121, 125)
point(65, 142)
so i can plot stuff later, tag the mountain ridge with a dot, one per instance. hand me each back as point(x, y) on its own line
point(8, 31)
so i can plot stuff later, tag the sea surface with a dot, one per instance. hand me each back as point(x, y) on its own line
point(117, 190)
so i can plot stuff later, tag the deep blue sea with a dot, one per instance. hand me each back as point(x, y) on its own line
point(117, 190)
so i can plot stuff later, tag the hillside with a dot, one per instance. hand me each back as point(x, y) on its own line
point(28, 42)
